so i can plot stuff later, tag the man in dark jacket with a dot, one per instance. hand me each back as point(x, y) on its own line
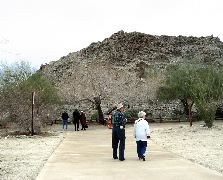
point(118, 133)
point(76, 119)
point(65, 119)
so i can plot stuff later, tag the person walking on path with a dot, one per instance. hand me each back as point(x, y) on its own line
point(83, 120)
point(76, 119)
point(65, 119)
point(141, 133)
point(118, 132)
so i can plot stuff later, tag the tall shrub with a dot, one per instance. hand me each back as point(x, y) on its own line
point(194, 83)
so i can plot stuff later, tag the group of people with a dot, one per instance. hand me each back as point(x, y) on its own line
point(78, 117)
point(141, 130)
point(141, 133)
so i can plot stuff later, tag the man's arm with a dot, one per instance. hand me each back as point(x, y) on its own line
point(123, 119)
point(134, 131)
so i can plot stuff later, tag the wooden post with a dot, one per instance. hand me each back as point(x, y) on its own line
point(190, 115)
point(32, 128)
point(190, 103)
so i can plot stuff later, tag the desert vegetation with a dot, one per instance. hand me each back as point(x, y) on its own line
point(194, 84)
point(19, 84)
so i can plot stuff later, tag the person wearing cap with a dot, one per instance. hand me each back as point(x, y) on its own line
point(118, 132)
point(141, 133)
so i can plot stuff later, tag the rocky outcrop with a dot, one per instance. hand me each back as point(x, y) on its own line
point(122, 48)
point(126, 67)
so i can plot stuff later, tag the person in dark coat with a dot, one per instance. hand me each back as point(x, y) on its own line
point(76, 119)
point(65, 119)
point(83, 120)
point(118, 132)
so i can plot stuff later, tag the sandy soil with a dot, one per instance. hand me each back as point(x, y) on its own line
point(197, 143)
point(22, 157)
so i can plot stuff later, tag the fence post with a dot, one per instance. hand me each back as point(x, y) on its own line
point(32, 128)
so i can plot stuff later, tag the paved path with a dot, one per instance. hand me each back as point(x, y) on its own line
point(87, 155)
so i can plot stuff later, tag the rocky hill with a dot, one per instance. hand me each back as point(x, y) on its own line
point(126, 67)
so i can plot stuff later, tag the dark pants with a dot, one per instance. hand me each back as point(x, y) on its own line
point(64, 123)
point(141, 148)
point(83, 127)
point(118, 137)
point(76, 125)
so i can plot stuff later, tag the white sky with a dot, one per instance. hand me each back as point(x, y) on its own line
point(41, 31)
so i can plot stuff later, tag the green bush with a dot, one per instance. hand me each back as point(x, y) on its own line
point(131, 114)
point(207, 114)
point(4, 122)
point(95, 116)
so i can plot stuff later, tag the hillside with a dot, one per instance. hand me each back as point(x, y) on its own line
point(126, 67)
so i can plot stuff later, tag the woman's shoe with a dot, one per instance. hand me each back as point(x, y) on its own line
point(142, 157)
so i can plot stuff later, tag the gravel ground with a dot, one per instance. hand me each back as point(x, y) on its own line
point(22, 157)
point(197, 143)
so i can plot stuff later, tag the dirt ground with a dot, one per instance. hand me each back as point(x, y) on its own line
point(197, 143)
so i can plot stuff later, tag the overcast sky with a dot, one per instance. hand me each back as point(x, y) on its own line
point(41, 31)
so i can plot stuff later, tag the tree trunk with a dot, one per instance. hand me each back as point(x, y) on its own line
point(190, 105)
point(190, 115)
point(98, 107)
point(100, 114)
point(186, 106)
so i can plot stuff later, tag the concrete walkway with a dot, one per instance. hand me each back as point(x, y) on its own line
point(87, 155)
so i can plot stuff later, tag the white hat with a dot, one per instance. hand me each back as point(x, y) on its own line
point(120, 106)
point(141, 114)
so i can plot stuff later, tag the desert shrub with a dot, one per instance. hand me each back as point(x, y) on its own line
point(197, 84)
point(17, 82)
point(131, 114)
point(95, 116)
point(207, 114)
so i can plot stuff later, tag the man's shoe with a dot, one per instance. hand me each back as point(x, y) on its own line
point(115, 157)
point(121, 159)
point(143, 158)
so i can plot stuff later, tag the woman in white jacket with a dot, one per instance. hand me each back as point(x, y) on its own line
point(141, 133)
